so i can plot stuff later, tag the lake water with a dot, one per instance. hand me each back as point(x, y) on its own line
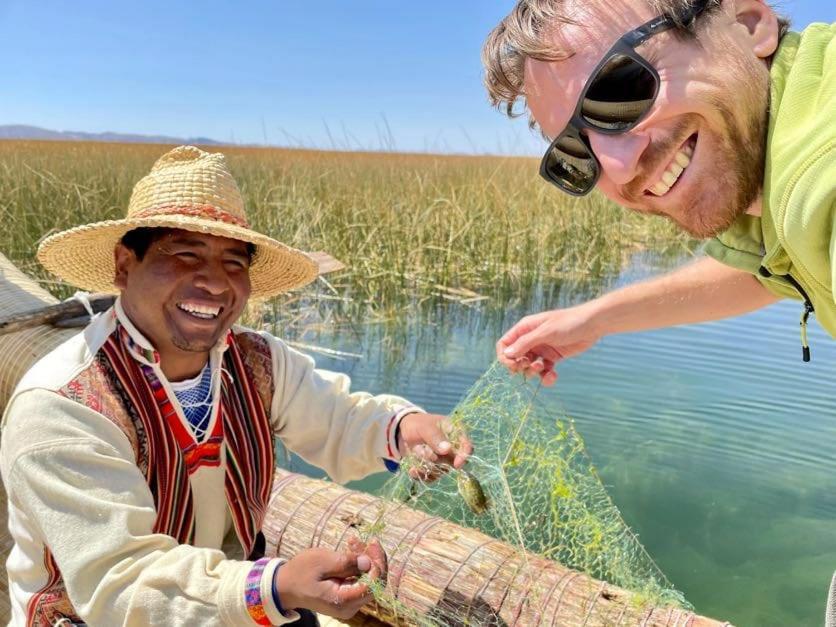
point(716, 441)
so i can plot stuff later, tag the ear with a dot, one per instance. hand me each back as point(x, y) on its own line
point(124, 259)
point(761, 24)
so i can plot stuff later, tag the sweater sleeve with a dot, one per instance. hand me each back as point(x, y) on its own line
point(72, 475)
point(317, 416)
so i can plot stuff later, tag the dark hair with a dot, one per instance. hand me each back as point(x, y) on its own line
point(138, 240)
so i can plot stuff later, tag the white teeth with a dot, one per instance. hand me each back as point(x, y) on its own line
point(200, 311)
point(677, 166)
point(660, 189)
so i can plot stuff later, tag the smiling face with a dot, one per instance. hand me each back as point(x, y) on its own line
point(698, 156)
point(184, 294)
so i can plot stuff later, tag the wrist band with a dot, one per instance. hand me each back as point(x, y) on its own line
point(393, 454)
point(275, 590)
point(391, 464)
point(252, 593)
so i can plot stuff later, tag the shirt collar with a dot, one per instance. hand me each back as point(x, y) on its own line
point(138, 345)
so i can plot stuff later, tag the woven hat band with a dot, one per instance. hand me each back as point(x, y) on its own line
point(203, 211)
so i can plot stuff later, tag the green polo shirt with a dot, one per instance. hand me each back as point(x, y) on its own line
point(792, 247)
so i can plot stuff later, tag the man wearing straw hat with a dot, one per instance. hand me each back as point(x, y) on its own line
point(134, 450)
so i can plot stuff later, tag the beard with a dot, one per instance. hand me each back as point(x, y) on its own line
point(195, 345)
point(732, 155)
point(738, 178)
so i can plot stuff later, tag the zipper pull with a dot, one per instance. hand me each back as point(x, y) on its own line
point(805, 315)
point(805, 348)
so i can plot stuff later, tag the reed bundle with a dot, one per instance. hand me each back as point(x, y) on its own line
point(438, 568)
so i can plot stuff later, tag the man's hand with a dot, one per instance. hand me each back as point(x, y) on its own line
point(326, 581)
point(701, 291)
point(536, 343)
point(428, 437)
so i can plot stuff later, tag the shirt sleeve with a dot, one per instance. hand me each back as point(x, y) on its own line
point(317, 416)
point(73, 476)
point(832, 221)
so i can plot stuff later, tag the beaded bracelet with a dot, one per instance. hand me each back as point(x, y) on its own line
point(252, 593)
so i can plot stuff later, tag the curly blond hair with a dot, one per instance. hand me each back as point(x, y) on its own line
point(524, 34)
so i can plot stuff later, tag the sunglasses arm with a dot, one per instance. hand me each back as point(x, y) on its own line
point(662, 23)
point(647, 30)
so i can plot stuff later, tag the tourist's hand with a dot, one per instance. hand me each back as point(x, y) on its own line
point(326, 581)
point(428, 438)
point(536, 343)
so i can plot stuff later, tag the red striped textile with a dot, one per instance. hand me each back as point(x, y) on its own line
point(195, 454)
point(250, 446)
point(50, 604)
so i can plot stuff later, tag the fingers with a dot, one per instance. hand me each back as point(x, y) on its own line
point(511, 336)
point(355, 545)
point(379, 561)
point(425, 466)
point(437, 438)
point(444, 453)
point(371, 558)
point(523, 336)
point(522, 327)
point(531, 347)
point(463, 451)
point(352, 596)
point(341, 566)
point(464, 447)
point(509, 363)
point(428, 439)
point(534, 368)
point(549, 375)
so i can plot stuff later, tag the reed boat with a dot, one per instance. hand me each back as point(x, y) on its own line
point(434, 565)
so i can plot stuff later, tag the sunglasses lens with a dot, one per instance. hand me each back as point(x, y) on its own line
point(570, 165)
point(620, 94)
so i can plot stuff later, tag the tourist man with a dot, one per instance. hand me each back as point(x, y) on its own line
point(133, 450)
point(707, 112)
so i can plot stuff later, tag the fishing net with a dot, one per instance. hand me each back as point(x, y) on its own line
point(531, 484)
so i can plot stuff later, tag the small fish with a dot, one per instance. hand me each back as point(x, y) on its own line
point(472, 493)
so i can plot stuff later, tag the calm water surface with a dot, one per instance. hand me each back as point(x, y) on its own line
point(716, 442)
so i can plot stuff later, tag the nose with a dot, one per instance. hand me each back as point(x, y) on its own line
point(619, 154)
point(212, 278)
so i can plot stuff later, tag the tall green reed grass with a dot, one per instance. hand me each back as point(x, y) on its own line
point(411, 228)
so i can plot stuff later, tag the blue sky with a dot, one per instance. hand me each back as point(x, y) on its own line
point(348, 74)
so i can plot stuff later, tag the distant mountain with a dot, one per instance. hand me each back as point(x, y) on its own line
point(22, 131)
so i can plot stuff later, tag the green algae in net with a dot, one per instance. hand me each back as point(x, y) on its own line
point(540, 494)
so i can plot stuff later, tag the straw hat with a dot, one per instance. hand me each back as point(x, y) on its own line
point(187, 189)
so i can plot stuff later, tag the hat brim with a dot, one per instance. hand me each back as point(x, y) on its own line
point(83, 256)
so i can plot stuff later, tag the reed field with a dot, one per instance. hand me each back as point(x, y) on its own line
point(412, 228)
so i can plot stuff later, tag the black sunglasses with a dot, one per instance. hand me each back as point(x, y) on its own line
point(618, 94)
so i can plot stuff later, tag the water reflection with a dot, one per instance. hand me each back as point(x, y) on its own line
point(717, 443)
